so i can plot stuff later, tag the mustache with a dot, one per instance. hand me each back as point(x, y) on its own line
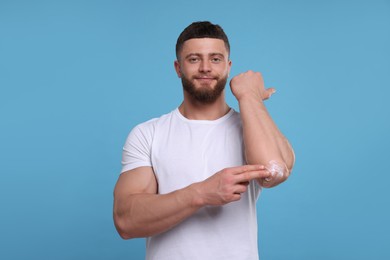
point(205, 76)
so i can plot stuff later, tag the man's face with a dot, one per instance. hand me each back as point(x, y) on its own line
point(203, 67)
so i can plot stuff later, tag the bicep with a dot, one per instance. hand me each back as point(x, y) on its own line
point(138, 180)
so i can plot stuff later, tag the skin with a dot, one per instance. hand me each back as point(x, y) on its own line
point(262, 138)
point(202, 61)
point(139, 211)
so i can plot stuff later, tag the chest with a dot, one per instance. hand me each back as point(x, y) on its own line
point(183, 153)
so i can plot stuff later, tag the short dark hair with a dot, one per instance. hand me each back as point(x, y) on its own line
point(203, 29)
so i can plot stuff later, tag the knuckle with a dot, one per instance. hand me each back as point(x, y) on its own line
point(224, 171)
point(226, 198)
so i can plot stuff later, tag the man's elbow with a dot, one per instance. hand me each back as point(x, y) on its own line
point(280, 170)
point(124, 235)
point(124, 228)
point(290, 161)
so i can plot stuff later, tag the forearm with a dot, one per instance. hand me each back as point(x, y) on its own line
point(143, 215)
point(262, 138)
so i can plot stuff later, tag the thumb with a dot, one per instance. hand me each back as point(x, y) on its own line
point(268, 93)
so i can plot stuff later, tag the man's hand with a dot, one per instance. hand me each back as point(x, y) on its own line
point(250, 84)
point(279, 173)
point(228, 184)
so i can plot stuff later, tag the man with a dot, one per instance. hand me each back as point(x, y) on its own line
point(191, 178)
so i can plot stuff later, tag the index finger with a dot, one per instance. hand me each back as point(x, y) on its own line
point(246, 168)
point(252, 175)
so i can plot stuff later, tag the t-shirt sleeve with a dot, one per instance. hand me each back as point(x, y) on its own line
point(137, 148)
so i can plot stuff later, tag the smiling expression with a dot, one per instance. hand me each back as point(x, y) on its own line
point(203, 67)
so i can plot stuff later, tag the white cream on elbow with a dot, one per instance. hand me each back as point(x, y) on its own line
point(278, 170)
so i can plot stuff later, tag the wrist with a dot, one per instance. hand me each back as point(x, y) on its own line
point(249, 97)
point(197, 201)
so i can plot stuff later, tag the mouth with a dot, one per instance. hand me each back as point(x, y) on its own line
point(205, 79)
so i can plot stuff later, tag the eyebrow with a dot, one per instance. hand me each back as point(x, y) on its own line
point(200, 54)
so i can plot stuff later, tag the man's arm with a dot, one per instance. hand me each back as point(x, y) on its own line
point(264, 143)
point(140, 212)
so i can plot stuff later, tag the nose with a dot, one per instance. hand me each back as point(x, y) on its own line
point(205, 66)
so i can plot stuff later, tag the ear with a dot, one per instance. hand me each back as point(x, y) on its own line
point(177, 68)
point(229, 67)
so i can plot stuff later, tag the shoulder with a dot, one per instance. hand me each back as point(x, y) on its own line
point(151, 123)
point(148, 128)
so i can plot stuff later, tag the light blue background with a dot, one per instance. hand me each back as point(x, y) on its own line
point(76, 76)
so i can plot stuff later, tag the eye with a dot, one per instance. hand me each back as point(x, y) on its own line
point(216, 60)
point(193, 59)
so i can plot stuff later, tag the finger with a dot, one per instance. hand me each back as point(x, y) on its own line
point(268, 93)
point(252, 175)
point(240, 188)
point(245, 168)
point(266, 182)
point(236, 196)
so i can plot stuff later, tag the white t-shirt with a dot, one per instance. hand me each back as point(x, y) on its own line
point(181, 152)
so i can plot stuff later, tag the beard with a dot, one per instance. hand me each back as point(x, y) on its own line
point(204, 94)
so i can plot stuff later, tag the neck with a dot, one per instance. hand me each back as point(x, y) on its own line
point(196, 110)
